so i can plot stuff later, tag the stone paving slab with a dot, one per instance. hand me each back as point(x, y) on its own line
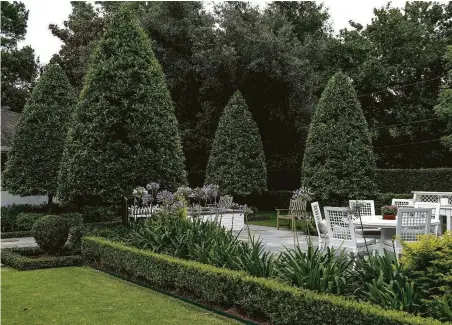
point(275, 240)
point(18, 242)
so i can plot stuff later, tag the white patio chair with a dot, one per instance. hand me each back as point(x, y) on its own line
point(435, 214)
point(341, 232)
point(367, 210)
point(403, 203)
point(411, 223)
point(319, 223)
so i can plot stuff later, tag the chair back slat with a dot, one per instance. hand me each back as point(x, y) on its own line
point(367, 207)
point(341, 231)
point(435, 207)
point(225, 202)
point(317, 218)
point(297, 208)
point(399, 203)
point(411, 223)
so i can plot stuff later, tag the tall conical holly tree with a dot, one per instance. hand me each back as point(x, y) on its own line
point(33, 163)
point(123, 131)
point(237, 161)
point(339, 162)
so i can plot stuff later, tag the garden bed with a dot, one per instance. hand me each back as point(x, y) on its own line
point(31, 258)
point(259, 298)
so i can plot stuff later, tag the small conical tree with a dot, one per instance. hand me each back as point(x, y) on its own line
point(237, 160)
point(33, 163)
point(339, 163)
point(124, 131)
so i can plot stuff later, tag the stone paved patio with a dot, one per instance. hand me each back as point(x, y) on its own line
point(274, 240)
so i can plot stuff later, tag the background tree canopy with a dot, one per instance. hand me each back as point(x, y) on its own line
point(19, 67)
point(281, 56)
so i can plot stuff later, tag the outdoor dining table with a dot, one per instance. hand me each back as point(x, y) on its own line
point(388, 227)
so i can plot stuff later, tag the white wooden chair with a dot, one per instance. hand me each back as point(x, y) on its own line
point(367, 210)
point(435, 214)
point(136, 212)
point(297, 210)
point(403, 203)
point(341, 232)
point(318, 223)
point(411, 223)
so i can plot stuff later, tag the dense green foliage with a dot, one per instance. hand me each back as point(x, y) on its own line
point(9, 213)
point(396, 63)
point(407, 180)
point(27, 258)
point(444, 107)
point(34, 161)
point(17, 234)
point(264, 298)
point(113, 144)
point(80, 34)
point(51, 233)
point(280, 58)
point(339, 163)
point(26, 220)
point(429, 263)
point(237, 160)
point(19, 68)
point(203, 241)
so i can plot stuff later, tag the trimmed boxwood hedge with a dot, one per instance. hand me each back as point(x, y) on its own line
point(280, 199)
point(265, 299)
point(16, 234)
point(24, 258)
point(407, 180)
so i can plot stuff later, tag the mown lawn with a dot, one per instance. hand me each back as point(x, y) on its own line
point(81, 295)
point(272, 220)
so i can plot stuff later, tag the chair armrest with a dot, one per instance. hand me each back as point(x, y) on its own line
point(282, 209)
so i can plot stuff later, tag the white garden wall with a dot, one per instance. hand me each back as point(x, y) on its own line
point(8, 198)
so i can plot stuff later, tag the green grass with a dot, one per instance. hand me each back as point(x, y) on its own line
point(81, 295)
point(272, 221)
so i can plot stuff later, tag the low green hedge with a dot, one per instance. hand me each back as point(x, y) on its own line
point(271, 200)
point(26, 258)
point(407, 180)
point(16, 234)
point(265, 299)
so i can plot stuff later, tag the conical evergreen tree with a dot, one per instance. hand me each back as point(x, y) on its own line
point(124, 131)
point(237, 160)
point(339, 163)
point(34, 161)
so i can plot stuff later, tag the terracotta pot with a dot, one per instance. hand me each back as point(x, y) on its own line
point(389, 217)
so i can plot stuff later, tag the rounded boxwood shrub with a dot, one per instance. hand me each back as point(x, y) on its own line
point(51, 233)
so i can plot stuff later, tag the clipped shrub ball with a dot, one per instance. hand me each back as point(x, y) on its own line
point(51, 233)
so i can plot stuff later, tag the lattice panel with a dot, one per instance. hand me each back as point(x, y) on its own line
point(339, 224)
point(413, 224)
point(430, 198)
point(402, 202)
point(297, 208)
point(367, 208)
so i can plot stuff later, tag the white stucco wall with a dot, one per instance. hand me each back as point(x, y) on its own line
point(8, 198)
